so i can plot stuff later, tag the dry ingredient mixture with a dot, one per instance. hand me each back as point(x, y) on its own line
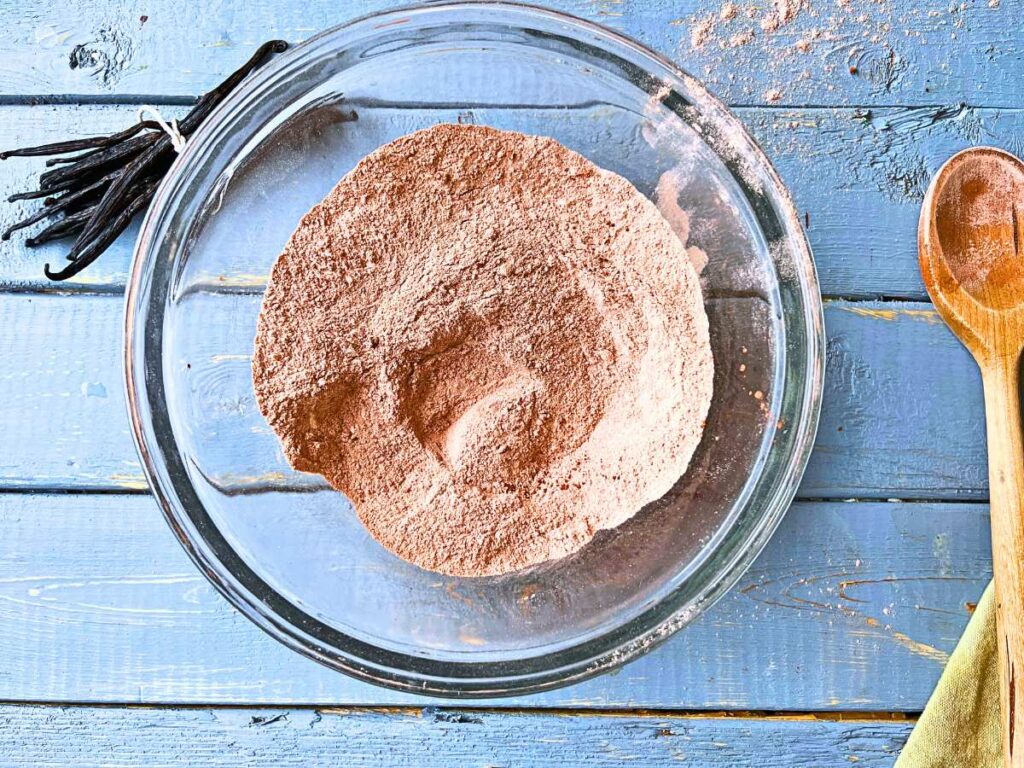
point(979, 225)
point(493, 347)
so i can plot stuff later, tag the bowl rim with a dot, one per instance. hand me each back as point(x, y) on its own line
point(612, 648)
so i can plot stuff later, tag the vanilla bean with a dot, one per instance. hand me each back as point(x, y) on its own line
point(43, 214)
point(118, 191)
point(218, 93)
point(76, 145)
point(37, 193)
point(33, 195)
point(78, 194)
point(117, 194)
point(99, 190)
point(146, 184)
point(58, 205)
point(88, 200)
point(118, 153)
point(91, 153)
point(66, 227)
point(84, 210)
point(106, 236)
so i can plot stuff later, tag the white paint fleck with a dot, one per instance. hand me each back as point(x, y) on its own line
point(48, 36)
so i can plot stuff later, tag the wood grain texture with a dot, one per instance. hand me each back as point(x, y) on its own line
point(928, 52)
point(99, 603)
point(902, 412)
point(226, 738)
point(891, 427)
point(1006, 481)
point(857, 176)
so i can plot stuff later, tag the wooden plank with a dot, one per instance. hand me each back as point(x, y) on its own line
point(62, 406)
point(225, 738)
point(891, 425)
point(902, 411)
point(893, 52)
point(851, 607)
point(857, 175)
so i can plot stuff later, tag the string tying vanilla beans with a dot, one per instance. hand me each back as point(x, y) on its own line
point(177, 140)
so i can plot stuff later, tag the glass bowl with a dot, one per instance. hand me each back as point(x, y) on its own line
point(285, 548)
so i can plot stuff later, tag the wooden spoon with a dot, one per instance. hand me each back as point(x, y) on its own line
point(969, 241)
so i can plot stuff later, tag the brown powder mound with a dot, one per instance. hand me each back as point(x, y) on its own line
point(493, 347)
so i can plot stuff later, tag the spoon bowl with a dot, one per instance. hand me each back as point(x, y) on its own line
point(972, 234)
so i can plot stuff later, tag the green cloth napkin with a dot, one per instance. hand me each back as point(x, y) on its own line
point(960, 726)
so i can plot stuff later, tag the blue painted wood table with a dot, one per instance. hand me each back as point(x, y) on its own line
point(115, 651)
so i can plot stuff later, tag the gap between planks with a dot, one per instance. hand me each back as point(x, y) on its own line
point(652, 714)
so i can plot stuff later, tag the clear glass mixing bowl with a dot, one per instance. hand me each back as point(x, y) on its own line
point(287, 550)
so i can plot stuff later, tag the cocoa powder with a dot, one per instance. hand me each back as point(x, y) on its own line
point(493, 347)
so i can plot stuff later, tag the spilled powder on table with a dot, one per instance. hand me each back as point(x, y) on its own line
point(701, 32)
point(855, 38)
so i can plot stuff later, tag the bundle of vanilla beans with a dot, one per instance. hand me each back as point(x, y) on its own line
point(93, 196)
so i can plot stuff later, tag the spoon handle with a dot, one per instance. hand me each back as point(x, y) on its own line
point(1006, 480)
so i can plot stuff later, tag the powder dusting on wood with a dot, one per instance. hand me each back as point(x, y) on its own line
point(860, 38)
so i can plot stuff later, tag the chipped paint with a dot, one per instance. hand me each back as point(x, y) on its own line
point(896, 154)
point(93, 389)
point(239, 280)
point(924, 650)
point(129, 481)
point(890, 315)
point(470, 639)
point(106, 56)
point(921, 649)
point(943, 555)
